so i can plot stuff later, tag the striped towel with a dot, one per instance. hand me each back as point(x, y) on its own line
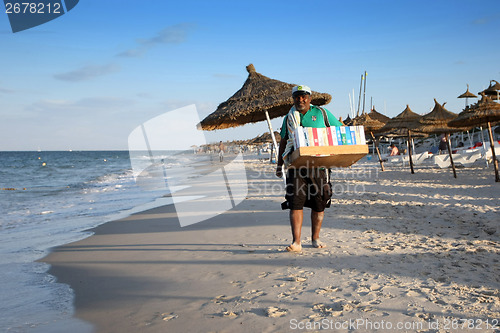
point(292, 122)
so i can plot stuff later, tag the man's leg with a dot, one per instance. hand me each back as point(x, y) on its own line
point(296, 218)
point(316, 221)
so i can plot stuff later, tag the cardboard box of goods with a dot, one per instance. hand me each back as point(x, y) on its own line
point(328, 147)
point(328, 156)
point(329, 136)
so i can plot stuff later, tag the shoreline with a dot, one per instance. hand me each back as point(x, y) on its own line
point(408, 248)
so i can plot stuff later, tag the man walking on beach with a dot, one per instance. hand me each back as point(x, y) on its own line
point(221, 151)
point(304, 187)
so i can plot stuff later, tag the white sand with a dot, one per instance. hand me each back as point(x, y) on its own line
point(414, 250)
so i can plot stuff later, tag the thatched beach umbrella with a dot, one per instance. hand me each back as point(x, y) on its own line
point(347, 121)
point(370, 125)
point(467, 95)
point(484, 111)
point(265, 138)
point(402, 125)
point(436, 122)
point(405, 120)
point(374, 114)
point(493, 91)
point(249, 104)
point(260, 98)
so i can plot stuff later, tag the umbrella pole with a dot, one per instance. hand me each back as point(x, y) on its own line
point(484, 145)
point(492, 144)
point(378, 152)
point(448, 144)
point(273, 138)
point(410, 152)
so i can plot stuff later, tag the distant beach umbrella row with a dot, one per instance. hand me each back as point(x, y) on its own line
point(436, 122)
point(262, 98)
point(480, 113)
point(486, 111)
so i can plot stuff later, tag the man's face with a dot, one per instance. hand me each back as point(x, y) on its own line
point(302, 102)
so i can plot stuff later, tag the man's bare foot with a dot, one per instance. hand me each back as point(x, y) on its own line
point(294, 247)
point(318, 244)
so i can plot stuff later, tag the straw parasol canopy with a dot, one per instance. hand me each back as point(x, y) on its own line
point(478, 114)
point(374, 114)
point(257, 95)
point(400, 126)
point(467, 95)
point(347, 121)
point(484, 111)
point(264, 138)
point(370, 125)
point(436, 121)
point(401, 123)
point(493, 90)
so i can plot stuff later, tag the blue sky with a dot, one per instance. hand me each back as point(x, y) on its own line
point(88, 78)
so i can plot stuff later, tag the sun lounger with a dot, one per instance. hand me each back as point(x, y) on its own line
point(404, 159)
point(469, 158)
point(464, 158)
point(442, 161)
point(419, 158)
point(488, 153)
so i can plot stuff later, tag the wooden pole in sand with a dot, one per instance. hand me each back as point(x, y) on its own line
point(378, 152)
point(448, 144)
point(492, 144)
point(410, 152)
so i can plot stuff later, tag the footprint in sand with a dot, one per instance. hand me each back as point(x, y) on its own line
point(327, 290)
point(229, 314)
point(253, 294)
point(362, 291)
point(284, 295)
point(274, 312)
point(297, 278)
point(224, 299)
point(335, 310)
point(413, 293)
point(239, 284)
point(168, 316)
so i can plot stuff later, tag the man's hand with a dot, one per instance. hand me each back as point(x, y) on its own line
point(279, 171)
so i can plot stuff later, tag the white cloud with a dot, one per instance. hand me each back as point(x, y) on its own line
point(88, 72)
point(175, 34)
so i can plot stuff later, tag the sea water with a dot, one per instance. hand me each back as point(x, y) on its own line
point(49, 199)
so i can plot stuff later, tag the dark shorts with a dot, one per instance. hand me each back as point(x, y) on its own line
point(308, 188)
